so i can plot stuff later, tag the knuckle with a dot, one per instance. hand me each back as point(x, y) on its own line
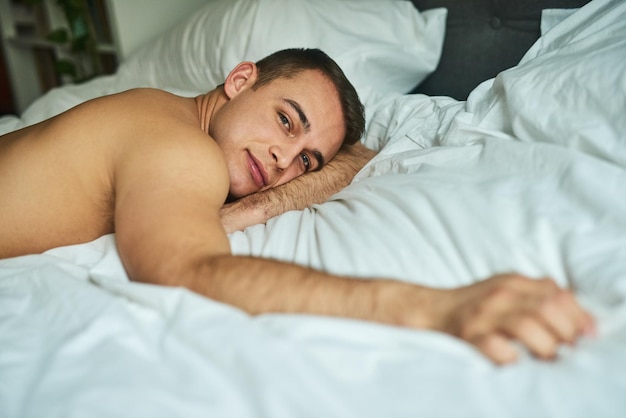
point(520, 278)
point(523, 324)
point(565, 296)
point(499, 294)
point(546, 309)
point(515, 279)
point(468, 331)
point(548, 282)
point(563, 300)
point(547, 350)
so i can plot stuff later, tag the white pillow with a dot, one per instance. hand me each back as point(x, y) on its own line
point(383, 46)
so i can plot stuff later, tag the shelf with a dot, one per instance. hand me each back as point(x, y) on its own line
point(30, 42)
point(43, 43)
point(23, 15)
point(32, 61)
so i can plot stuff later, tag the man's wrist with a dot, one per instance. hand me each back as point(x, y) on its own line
point(238, 215)
point(407, 305)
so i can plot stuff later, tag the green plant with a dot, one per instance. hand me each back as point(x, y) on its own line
point(78, 40)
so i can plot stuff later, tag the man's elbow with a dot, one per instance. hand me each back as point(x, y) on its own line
point(192, 272)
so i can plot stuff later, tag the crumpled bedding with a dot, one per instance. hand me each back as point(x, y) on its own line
point(528, 175)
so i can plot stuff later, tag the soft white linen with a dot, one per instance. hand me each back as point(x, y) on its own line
point(78, 340)
point(459, 191)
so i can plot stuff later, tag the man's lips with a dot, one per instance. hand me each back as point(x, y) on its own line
point(259, 176)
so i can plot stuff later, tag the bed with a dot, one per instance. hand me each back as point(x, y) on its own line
point(508, 155)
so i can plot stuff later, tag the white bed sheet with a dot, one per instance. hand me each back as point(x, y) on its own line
point(459, 191)
point(79, 340)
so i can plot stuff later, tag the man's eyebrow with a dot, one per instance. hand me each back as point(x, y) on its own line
point(303, 119)
point(320, 160)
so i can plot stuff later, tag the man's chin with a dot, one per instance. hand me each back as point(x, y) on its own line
point(237, 194)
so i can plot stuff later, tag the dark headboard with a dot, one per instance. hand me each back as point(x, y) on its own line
point(483, 37)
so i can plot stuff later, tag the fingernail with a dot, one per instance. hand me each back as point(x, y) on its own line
point(590, 330)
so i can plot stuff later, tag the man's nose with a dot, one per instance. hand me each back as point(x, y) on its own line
point(284, 155)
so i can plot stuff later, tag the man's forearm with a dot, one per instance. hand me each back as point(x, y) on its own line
point(260, 286)
point(299, 193)
point(491, 314)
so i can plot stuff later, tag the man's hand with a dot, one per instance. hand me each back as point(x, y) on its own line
point(299, 193)
point(494, 313)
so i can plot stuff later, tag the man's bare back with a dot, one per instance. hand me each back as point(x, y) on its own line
point(60, 173)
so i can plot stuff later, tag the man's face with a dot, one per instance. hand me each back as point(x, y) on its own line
point(279, 131)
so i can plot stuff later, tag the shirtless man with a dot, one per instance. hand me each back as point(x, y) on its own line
point(156, 169)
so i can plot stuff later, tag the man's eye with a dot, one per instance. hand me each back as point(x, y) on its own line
point(306, 161)
point(285, 121)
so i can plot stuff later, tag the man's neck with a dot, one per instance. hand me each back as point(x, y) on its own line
point(207, 104)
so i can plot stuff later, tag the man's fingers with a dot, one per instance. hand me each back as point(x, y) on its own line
point(565, 317)
point(534, 335)
point(562, 317)
point(507, 308)
point(528, 330)
point(496, 347)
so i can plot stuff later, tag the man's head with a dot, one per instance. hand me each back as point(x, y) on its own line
point(289, 62)
point(283, 116)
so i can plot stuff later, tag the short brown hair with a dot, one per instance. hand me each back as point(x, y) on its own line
point(289, 62)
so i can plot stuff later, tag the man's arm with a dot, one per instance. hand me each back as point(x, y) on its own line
point(491, 315)
point(169, 232)
point(299, 193)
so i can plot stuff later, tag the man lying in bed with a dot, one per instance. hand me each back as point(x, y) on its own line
point(156, 169)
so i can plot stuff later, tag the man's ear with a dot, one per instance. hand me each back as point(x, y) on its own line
point(243, 76)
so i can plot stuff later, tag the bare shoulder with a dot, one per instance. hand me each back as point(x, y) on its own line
point(140, 128)
point(160, 133)
point(68, 176)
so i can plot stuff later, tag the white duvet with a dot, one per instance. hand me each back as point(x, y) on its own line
point(528, 175)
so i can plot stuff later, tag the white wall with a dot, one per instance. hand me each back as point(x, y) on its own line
point(134, 22)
